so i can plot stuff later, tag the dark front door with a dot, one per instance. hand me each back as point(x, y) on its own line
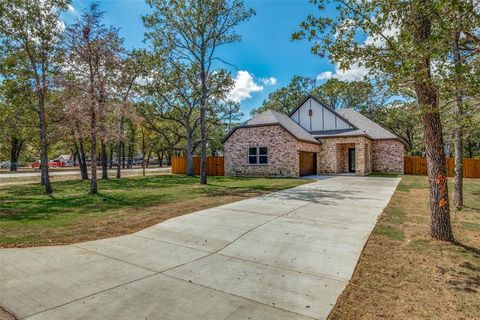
point(351, 160)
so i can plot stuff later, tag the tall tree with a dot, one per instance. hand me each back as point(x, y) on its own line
point(360, 95)
point(92, 56)
point(33, 28)
point(17, 109)
point(401, 42)
point(174, 98)
point(287, 98)
point(190, 32)
point(131, 68)
point(462, 19)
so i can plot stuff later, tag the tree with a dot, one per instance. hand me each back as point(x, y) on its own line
point(402, 119)
point(33, 28)
point(190, 32)
point(17, 109)
point(174, 97)
point(92, 56)
point(130, 69)
point(460, 81)
point(401, 42)
point(337, 94)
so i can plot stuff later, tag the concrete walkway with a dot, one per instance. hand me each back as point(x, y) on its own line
point(287, 255)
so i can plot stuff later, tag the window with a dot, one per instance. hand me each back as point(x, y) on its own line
point(252, 155)
point(257, 155)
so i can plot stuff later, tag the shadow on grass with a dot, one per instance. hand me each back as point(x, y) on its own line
point(467, 248)
point(72, 199)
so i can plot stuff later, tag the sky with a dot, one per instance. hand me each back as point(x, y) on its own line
point(265, 59)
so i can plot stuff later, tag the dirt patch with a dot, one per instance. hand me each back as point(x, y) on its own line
point(407, 273)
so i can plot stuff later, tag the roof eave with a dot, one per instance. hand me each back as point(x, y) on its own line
point(268, 125)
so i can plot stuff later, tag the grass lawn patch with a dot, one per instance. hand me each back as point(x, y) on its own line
point(71, 214)
point(403, 273)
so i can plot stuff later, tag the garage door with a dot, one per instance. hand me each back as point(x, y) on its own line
point(308, 163)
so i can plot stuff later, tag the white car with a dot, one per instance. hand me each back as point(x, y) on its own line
point(5, 164)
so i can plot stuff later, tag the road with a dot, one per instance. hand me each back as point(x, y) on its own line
point(74, 172)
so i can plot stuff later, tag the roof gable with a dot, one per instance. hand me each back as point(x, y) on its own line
point(314, 115)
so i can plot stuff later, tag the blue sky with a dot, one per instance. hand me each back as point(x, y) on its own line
point(264, 60)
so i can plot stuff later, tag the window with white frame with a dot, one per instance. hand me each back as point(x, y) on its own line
point(257, 155)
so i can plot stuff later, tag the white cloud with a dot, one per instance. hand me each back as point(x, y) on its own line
point(244, 85)
point(379, 41)
point(72, 9)
point(269, 81)
point(354, 73)
point(325, 75)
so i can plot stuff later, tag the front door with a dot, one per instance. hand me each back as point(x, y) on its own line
point(351, 160)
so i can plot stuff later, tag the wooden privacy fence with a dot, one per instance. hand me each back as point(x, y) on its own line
point(214, 166)
point(418, 166)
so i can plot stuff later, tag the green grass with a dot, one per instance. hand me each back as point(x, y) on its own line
point(26, 214)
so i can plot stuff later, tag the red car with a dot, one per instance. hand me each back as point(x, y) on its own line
point(51, 164)
point(56, 164)
point(35, 164)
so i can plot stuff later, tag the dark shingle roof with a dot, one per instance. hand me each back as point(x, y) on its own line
point(271, 117)
point(366, 125)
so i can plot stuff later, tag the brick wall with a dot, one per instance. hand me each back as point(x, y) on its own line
point(282, 152)
point(388, 156)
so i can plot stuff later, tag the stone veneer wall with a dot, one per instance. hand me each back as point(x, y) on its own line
point(388, 156)
point(282, 152)
point(332, 155)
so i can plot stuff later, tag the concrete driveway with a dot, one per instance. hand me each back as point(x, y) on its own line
point(287, 255)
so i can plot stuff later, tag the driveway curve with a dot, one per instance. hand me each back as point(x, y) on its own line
point(287, 255)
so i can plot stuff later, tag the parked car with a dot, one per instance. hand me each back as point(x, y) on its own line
point(4, 164)
point(51, 164)
point(35, 164)
point(56, 164)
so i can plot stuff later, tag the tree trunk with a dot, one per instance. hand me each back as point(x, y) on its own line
point(148, 157)
point(120, 149)
point(160, 158)
point(130, 156)
point(16, 147)
point(427, 97)
point(203, 128)
point(458, 131)
point(189, 151)
point(110, 160)
point(93, 155)
point(104, 159)
point(83, 157)
point(123, 155)
point(45, 178)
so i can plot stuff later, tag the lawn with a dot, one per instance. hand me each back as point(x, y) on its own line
point(403, 273)
point(30, 218)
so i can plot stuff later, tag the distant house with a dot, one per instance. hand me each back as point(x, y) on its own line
point(314, 139)
point(64, 158)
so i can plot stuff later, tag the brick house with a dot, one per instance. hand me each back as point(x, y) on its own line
point(314, 139)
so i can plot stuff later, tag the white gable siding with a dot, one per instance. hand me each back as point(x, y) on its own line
point(321, 119)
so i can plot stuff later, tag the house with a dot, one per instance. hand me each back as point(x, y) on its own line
point(314, 139)
point(64, 158)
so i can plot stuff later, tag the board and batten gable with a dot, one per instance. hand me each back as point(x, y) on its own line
point(313, 116)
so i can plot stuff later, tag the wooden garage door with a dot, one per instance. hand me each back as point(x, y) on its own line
point(308, 163)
